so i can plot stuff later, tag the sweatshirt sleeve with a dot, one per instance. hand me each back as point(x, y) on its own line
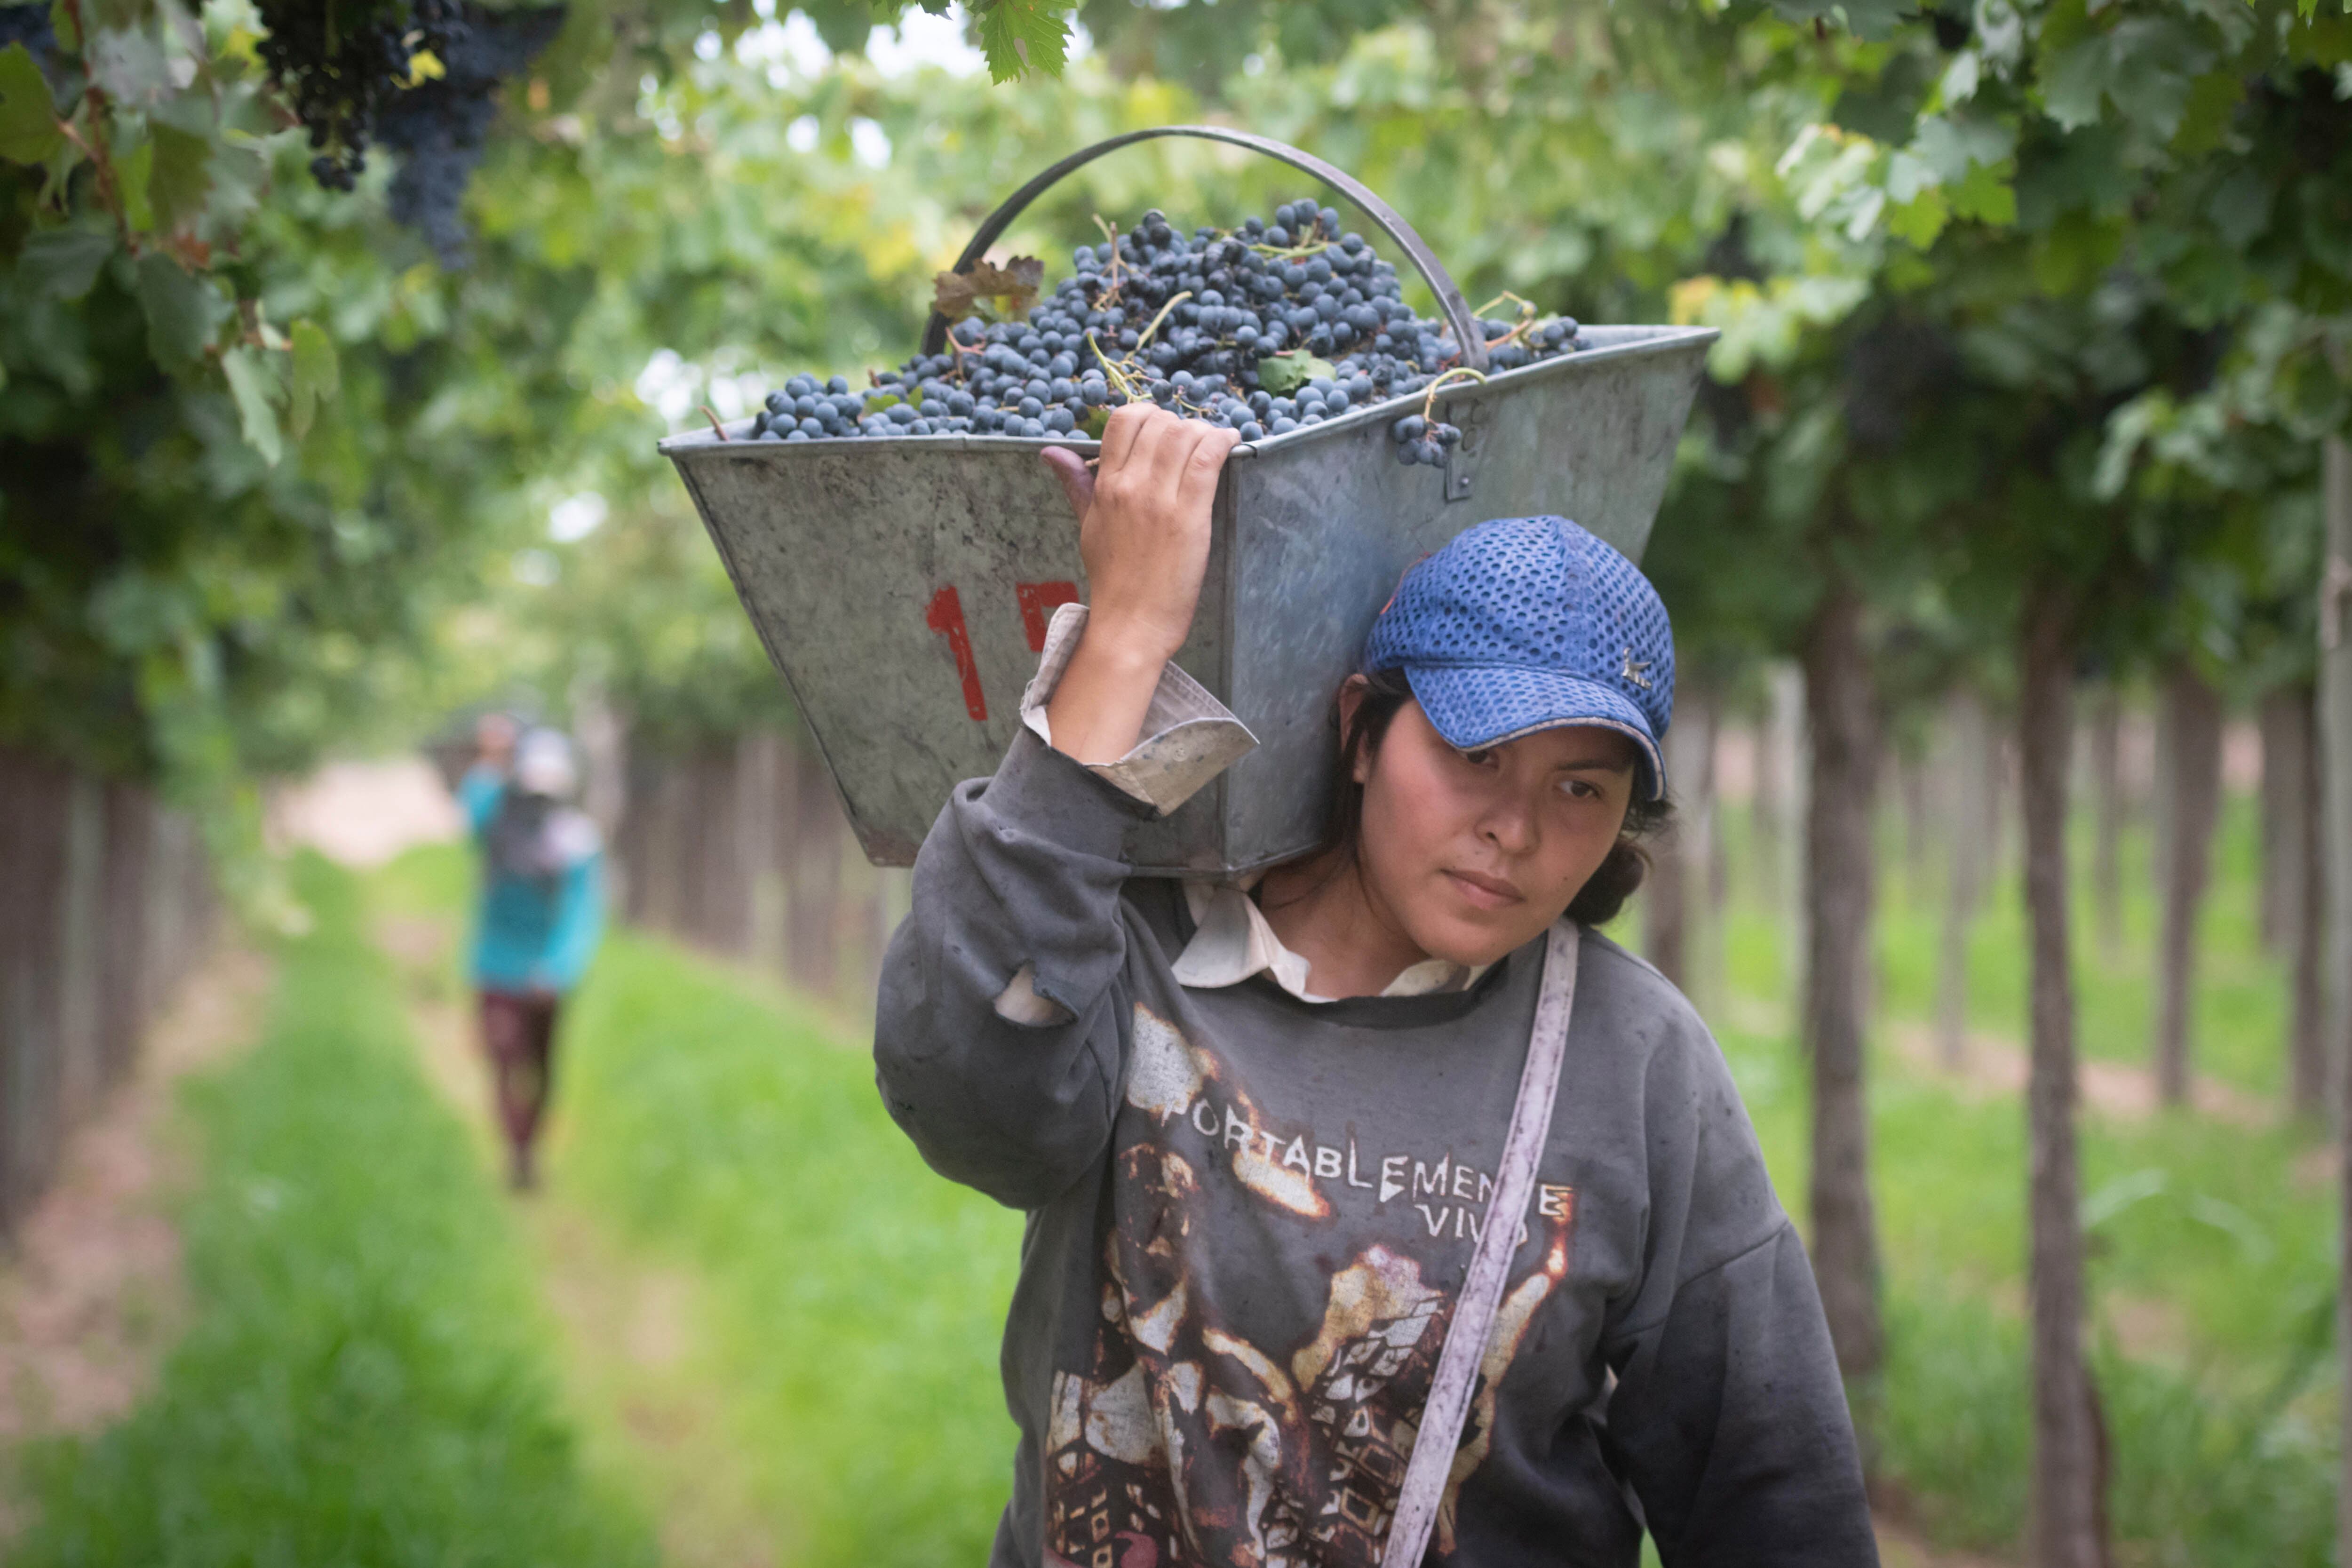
point(1188, 737)
point(1730, 1417)
point(1001, 1029)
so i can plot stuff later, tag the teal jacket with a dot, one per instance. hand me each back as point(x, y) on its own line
point(530, 935)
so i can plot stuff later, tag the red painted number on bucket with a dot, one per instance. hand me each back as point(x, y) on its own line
point(1038, 603)
point(946, 615)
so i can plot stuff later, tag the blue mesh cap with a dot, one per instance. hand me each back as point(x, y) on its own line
point(1527, 624)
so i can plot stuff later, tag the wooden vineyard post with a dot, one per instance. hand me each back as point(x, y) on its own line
point(2107, 804)
point(128, 992)
point(2065, 1509)
point(813, 915)
point(760, 773)
point(2336, 773)
point(1972, 776)
point(2188, 766)
point(1784, 728)
point(2293, 890)
point(1840, 874)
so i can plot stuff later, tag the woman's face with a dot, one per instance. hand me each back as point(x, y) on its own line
point(1473, 854)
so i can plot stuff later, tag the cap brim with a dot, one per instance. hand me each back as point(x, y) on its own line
point(1477, 706)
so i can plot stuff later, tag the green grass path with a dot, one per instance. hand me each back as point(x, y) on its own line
point(719, 1156)
point(363, 1381)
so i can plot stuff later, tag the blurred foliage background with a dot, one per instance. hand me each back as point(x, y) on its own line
point(2037, 322)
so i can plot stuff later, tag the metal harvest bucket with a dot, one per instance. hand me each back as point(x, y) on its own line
point(903, 586)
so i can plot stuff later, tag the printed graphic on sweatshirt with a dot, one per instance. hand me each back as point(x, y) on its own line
point(1183, 1443)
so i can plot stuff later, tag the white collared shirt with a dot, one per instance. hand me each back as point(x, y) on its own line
point(1233, 940)
point(1189, 737)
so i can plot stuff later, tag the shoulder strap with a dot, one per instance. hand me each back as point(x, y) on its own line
point(1490, 1261)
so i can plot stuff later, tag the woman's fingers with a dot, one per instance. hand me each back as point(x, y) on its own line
point(1149, 459)
point(1146, 534)
point(1196, 483)
point(1127, 422)
point(1172, 450)
point(1077, 479)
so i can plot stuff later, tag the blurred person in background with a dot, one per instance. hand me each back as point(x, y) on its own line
point(494, 744)
point(540, 915)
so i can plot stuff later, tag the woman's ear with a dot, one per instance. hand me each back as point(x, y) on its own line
point(1353, 693)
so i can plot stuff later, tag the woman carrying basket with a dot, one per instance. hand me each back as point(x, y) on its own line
point(1259, 1131)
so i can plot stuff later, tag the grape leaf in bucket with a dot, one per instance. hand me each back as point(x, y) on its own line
point(1001, 292)
point(1283, 374)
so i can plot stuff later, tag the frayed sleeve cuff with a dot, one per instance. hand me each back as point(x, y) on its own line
point(1188, 737)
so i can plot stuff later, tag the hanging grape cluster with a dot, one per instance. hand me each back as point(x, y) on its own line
point(1269, 328)
point(337, 62)
point(441, 128)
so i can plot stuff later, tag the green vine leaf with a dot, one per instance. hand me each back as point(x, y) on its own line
point(180, 177)
point(62, 263)
point(132, 170)
point(29, 132)
point(131, 67)
point(183, 311)
point(316, 374)
point(1023, 35)
point(254, 390)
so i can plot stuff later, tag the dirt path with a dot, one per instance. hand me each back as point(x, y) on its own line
point(91, 1295)
point(364, 813)
point(650, 1397)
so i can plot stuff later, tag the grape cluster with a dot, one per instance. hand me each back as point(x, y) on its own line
point(1264, 328)
point(338, 65)
point(440, 128)
point(1421, 439)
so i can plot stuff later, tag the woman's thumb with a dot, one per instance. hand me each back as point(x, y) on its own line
point(1077, 479)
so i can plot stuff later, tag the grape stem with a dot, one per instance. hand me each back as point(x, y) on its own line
point(1458, 373)
point(1529, 319)
point(97, 148)
point(1117, 268)
point(716, 428)
point(1112, 368)
point(1526, 307)
point(1173, 300)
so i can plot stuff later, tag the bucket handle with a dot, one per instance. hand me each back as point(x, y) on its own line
point(1466, 331)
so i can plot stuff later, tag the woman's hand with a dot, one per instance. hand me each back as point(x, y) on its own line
point(1143, 525)
point(1143, 535)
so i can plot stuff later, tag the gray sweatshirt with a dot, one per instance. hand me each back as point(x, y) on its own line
point(1248, 1216)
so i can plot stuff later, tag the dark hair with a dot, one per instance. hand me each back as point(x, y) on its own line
point(1386, 693)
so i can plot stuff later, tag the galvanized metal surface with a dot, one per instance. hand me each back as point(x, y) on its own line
point(1450, 302)
point(902, 585)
